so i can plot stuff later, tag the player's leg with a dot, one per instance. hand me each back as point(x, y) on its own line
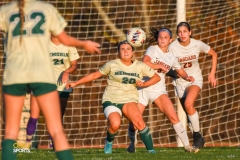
point(14, 96)
point(49, 103)
point(188, 103)
point(132, 130)
point(63, 105)
point(63, 102)
point(165, 105)
point(114, 122)
point(132, 112)
point(113, 115)
point(32, 122)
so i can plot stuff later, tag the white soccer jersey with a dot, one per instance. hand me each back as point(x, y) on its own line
point(188, 57)
point(61, 57)
point(159, 57)
point(28, 61)
point(122, 80)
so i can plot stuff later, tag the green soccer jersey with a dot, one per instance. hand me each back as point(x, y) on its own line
point(122, 80)
point(61, 57)
point(28, 61)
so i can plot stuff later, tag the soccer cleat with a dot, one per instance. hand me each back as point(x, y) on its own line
point(131, 148)
point(28, 144)
point(152, 151)
point(198, 141)
point(190, 149)
point(108, 147)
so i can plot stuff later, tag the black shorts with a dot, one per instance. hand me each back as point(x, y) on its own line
point(36, 88)
point(63, 94)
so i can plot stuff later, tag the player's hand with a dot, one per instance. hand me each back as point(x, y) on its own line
point(190, 79)
point(162, 68)
point(92, 47)
point(140, 83)
point(59, 81)
point(71, 85)
point(65, 77)
point(212, 80)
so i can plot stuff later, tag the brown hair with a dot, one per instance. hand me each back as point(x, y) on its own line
point(21, 13)
point(124, 42)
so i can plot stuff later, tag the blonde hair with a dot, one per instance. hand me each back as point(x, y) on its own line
point(21, 13)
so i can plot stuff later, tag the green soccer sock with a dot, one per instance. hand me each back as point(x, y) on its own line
point(64, 155)
point(7, 150)
point(110, 136)
point(146, 138)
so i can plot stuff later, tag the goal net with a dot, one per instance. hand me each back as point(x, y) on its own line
point(216, 23)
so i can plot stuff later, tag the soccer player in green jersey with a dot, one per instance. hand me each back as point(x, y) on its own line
point(29, 24)
point(64, 62)
point(121, 95)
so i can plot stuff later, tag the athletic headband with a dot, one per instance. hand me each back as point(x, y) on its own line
point(184, 24)
point(166, 30)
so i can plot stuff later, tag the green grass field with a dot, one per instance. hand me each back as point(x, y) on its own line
point(207, 153)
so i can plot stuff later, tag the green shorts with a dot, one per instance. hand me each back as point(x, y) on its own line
point(109, 107)
point(36, 88)
point(63, 94)
point(108, 103)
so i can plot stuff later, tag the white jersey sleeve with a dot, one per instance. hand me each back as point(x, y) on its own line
point(106, 68)
point(57, 22)
point(73, 53)
point(175, 64)
point(3, 25)
point(203, 47)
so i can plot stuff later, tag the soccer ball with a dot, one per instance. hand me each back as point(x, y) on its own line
point(136, 37)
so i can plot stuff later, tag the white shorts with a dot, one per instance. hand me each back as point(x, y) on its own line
point(180, 88)
point(111, 109)
point(145, 95)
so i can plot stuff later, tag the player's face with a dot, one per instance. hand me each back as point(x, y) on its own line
point(184, 33)
point(164, 39)
point(126, 52)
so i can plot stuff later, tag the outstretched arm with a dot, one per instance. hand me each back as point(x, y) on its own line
point(89, 46)
point(211, 76)
point(184, 75)
point(88, 78)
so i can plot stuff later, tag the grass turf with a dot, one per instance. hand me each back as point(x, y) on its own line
point(207, 153)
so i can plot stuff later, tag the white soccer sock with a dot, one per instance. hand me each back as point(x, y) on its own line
point(194, 119)
point(181, 132)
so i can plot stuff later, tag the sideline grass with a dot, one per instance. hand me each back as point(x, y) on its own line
point(207, 153)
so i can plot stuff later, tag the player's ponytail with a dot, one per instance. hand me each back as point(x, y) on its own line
point(154, 31)
point(21, 13)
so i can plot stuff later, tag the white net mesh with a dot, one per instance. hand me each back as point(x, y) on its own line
point(216, 23)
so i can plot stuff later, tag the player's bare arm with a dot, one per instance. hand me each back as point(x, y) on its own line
point(153, 80)
point(184, 75)
point(88, 78)
point(71, 69)
point(90, 46)
point(147, 61)
point(211, 77)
